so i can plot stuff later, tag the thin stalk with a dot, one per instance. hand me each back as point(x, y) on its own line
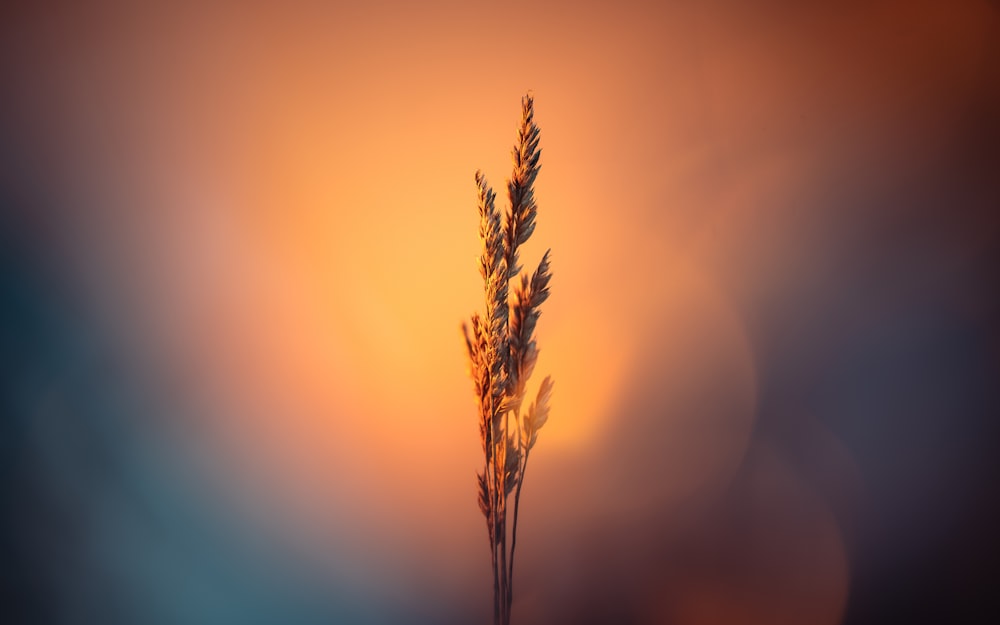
point(513, 533)
point(503, 531)
point(488, 469)
point(502, 498)
point(493, 532)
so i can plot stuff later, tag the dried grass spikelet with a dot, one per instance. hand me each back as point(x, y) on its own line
point(502, 352)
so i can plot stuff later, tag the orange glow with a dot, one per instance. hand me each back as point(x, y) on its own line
point(279, 217)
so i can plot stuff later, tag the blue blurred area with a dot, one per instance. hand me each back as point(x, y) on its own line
point(100, 523)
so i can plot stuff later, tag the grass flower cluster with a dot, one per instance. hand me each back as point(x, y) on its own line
point(502, 354)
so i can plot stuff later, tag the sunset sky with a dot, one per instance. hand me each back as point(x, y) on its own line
point(237, 244)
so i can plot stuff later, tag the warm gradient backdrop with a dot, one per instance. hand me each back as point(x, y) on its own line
point(236, 244)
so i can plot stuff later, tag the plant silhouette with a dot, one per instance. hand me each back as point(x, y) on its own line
point(502, 354)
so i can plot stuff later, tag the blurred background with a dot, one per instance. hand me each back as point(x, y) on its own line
point(237, 242)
